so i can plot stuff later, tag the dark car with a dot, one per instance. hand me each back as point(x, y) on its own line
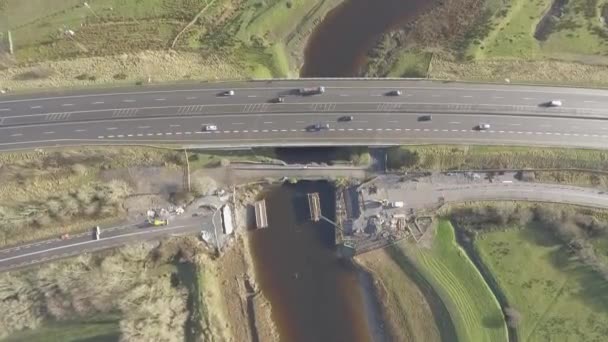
point(346, 118)
point(394, 93)
point(279, 99)
point(425, 118)
point(318, 127)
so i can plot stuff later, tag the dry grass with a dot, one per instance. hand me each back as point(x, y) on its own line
point(137, 281)
point(520, 71)
point(446, 157)
point(158, 66)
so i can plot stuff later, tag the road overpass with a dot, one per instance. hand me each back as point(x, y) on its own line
point(175, 114)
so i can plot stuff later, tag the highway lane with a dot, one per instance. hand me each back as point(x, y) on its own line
point(292, 129)
point(175, 114)
point(416, 94)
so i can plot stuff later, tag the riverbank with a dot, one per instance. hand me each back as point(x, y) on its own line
point(179, 41)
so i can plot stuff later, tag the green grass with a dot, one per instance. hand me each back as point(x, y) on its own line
point(472, 306)
point(95, 329)
point(411, 64)
point(445, 157)
point(515, 24)
point(558, 298)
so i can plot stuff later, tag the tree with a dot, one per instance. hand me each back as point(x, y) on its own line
point(513, 317)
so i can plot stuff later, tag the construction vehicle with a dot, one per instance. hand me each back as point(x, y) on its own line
point(311, 91)
point(158, 222)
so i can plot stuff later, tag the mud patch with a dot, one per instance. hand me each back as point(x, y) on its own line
point(549, 21)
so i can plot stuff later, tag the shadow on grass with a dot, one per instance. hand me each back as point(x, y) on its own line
point(443, 320)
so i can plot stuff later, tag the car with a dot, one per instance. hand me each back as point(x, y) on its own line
point(394, 93)
point(425, 118)
point(279, 99)
point(346, 118)
point(96, 233)
point(483, 126)
point(209, 128)
point(158, 222)
point(318, 127)
point(229, 93)
point(554, 103)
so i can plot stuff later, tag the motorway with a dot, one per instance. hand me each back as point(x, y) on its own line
point(175, 114)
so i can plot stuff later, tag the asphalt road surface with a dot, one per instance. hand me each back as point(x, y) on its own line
point(176, 114)
point(48, 250)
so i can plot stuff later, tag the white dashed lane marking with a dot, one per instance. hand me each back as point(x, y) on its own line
point(348, 129)
point(4, 109)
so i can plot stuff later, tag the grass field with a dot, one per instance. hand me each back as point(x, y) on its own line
point(411, 64)
point(117, 41)
point(446, 157)
point(576, 33)
point(408, 310)
point(473, 308)
point(103, 328)
point(558, 298)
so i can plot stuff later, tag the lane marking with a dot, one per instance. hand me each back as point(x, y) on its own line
point(35, 107)
point(111, 128)
point(267, 122)
point(80, 130)
point(344, 95)
point(467, 96)
point(143, 127)
point(529, 98)
point(238, 123)
point(497, 97)
point(455, 122)
point(94, 241)
point(159, 99)
point(49, 132)
point(16, 135)
point(128, 100)
point(4, 109)
point(98, 102)
point(174, 125)
point(191, 98)
point(435, 95)
point(67, 104)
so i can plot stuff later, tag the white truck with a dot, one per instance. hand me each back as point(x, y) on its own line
point(311, 91)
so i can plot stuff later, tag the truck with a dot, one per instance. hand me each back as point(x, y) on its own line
point(157, 222)
point(311, 90)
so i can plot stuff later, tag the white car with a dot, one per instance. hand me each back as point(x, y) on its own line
point(555, 103)
point(209, 128)
point(229, 93)
point(483, 126)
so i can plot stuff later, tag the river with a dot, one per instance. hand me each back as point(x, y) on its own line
point(315, 295)
point(339, 44)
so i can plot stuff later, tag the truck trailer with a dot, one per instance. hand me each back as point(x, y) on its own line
point(311, 91)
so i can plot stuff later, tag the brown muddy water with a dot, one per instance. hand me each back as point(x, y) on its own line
point(315, 295)
point(339, 44)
